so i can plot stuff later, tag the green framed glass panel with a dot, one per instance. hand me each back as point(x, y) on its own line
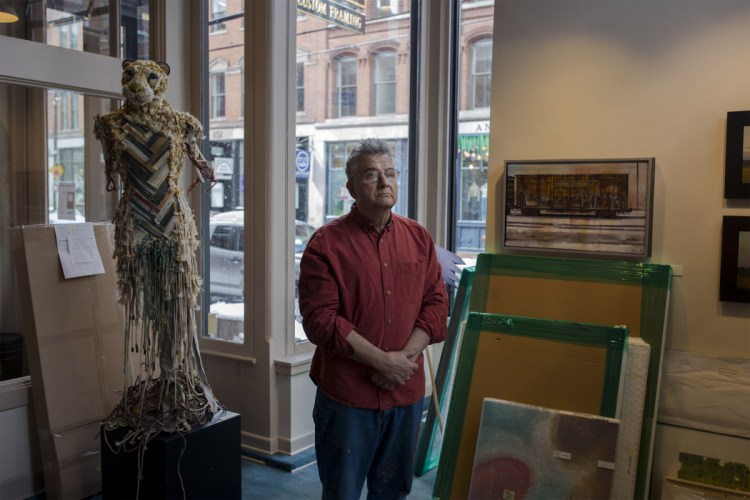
point(634, 294)
point(431, 437)
point(569, 366)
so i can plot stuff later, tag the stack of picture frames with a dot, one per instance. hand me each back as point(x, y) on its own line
point(431, 435)
point(569, 334)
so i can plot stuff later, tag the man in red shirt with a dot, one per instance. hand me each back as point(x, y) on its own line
point(372, 297)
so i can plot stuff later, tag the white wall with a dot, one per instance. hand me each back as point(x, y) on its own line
point(632, 78)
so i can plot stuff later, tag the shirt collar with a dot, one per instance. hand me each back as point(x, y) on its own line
point(365, 223)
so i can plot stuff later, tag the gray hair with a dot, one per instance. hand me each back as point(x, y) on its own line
point(367, 147)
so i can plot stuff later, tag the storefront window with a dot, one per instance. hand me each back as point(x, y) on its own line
point(473, 155)
point(225, 149)
point(85, 25)
point(339, 199)
point(349, 82)
point(473, 152)
point(472, 140)
point(66, 162)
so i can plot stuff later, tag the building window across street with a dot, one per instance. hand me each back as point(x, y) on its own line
point(218, 10)
point(300, 87)
point(218, 97)
point(385, 83)
point(481, 73)
point(346, 86)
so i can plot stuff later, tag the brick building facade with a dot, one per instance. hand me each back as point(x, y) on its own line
point(348, 86)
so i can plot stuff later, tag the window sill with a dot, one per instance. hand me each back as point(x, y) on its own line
point(294, 365)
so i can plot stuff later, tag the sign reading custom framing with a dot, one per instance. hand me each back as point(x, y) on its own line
point(598, 291)
point(601, 207)
point(554, 364)
point(336, 13)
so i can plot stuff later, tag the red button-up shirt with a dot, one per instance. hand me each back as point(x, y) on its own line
point(380, 285)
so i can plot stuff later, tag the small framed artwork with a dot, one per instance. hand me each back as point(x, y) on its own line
point(737, 160)
point(586, 207)
point(735, 259)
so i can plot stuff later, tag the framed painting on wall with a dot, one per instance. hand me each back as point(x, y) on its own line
point(737, 159)
point(735, 259)
point(585, 207)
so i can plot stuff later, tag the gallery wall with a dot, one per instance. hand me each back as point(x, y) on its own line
point(629, 78)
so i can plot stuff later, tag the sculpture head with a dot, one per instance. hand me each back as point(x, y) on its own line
point(143, 81)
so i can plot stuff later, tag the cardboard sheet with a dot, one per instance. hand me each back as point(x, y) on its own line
point(74, 335)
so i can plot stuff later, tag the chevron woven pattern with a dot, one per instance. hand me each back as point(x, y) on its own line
point(147, 156)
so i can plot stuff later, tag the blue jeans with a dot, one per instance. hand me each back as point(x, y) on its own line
point(354, 444)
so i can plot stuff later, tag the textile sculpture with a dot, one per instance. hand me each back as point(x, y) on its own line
point(156, 239)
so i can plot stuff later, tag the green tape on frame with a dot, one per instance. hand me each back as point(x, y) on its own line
point(431, 438)
point(583, 377)
point(634, 294)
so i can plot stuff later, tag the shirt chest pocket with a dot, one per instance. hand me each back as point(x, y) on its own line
point(411, 281)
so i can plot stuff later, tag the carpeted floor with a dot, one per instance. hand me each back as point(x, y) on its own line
point(272, 482)
point(293, 478)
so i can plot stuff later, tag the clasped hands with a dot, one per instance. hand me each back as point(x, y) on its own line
point(398, 367)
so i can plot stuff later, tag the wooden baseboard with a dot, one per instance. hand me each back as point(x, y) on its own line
point(22, 486)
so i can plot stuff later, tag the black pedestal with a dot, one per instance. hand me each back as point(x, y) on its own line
point(209, 467)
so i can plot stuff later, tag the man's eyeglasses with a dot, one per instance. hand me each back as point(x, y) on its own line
point(372, 175)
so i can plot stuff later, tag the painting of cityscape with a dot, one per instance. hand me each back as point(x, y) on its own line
point(579, 206)
point(534, 453)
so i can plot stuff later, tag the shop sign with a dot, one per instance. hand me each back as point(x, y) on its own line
point(57, 171)
point(302, 164)
point(223, 169)
point(335, 13)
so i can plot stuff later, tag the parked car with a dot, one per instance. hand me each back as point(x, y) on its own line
point(227, 247)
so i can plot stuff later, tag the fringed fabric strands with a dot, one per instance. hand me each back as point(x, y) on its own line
point(157, 269)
